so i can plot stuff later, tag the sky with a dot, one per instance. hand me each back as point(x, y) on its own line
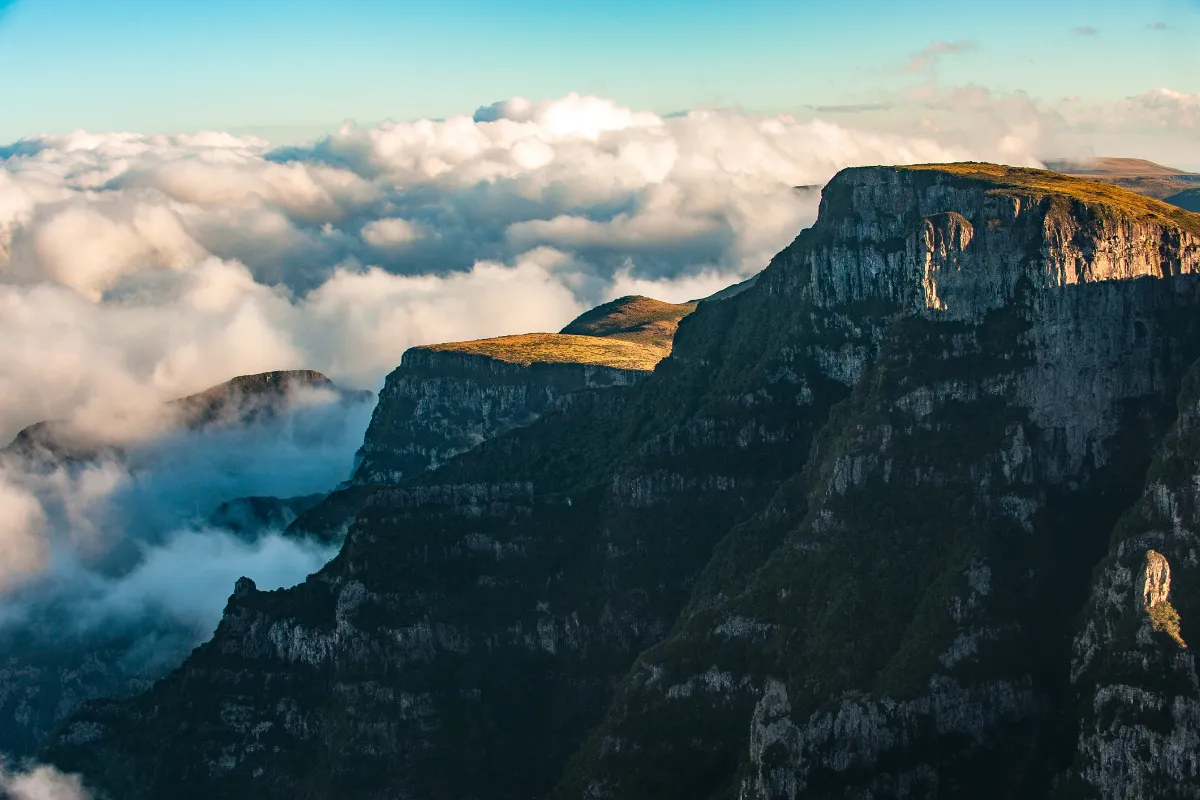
point(290, 70)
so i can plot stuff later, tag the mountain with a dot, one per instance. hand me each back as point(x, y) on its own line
point(444, 399)
point(908, 517)
point(1114, 167)
point(48, 665)
point(1171, 185)
point(641, 320)
point(249, 515)
point(242, 400)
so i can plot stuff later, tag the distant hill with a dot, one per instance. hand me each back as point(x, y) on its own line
point(633, 318)
point(1114, 167)
point(631, 332)
point(1138, 175)
point(240, 400)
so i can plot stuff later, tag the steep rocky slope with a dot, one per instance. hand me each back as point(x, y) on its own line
point(444, 399)
point(47, 665)
point(836, 545)
point(1135, 679)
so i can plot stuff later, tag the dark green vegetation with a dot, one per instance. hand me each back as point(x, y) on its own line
point(847, 541)
point(1187, 199)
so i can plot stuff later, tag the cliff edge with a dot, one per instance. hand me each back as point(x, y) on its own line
point(840, 542)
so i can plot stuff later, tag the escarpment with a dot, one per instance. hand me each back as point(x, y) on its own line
point(444, 399)
point(840, 543)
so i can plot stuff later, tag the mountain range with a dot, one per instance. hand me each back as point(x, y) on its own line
point(913, 514)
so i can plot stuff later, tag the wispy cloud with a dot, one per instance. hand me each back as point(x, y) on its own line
point(928, 57)
point(1158, 26)
point(852, 108)
point(1085, 30)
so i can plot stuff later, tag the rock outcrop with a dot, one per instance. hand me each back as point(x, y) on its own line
point(836, 545)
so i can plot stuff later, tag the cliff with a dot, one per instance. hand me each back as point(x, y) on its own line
point(444, 399)
point(840, 543)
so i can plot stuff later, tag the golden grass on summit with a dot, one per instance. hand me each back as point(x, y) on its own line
point(558, 348)
point(634, 319)
point(1037, 181)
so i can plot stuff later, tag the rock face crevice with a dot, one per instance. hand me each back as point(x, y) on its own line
point(837, 544)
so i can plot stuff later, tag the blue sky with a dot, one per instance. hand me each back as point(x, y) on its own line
point(288, 69)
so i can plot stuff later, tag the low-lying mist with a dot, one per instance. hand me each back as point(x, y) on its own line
point(112, 564)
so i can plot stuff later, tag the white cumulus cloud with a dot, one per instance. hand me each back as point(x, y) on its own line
point(135, 267)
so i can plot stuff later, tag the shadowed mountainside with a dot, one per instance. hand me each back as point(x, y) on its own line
point(853, 538)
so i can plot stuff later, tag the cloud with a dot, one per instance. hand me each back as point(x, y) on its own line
point(1163, 108)
point(390, 232)
point(40, 782)
point(929, 56)
point(1158, 26)
point(135, 268)
point(852, 108)
point(1085, 30)
point(23, 550)
point(65, 525)
point(111, 569)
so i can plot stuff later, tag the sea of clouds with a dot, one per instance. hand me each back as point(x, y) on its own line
point(139, 268)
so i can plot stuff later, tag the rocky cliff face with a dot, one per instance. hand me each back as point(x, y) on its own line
point(439, 403)
point(1131, 670)
point(836, 545)
point(445, 399)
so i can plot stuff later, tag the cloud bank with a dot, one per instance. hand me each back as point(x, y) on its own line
point(40, 782)
point(111, 569)
point(137, 267)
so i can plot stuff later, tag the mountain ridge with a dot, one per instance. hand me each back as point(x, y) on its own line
point(241, 399)
point(813, 552)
